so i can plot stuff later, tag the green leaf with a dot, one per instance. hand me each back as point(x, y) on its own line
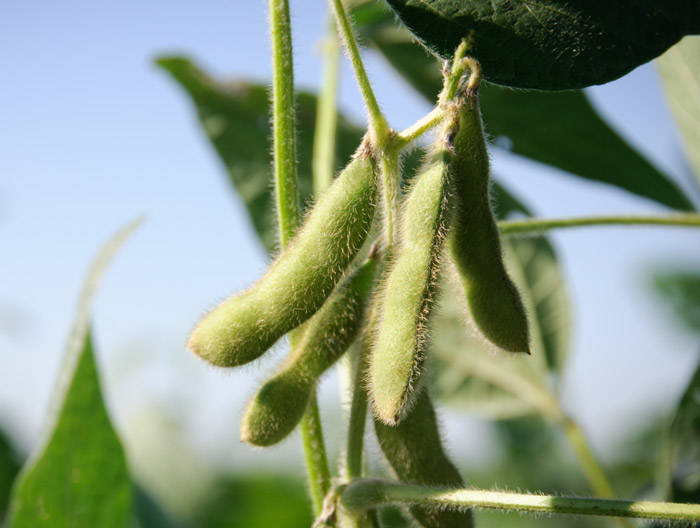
point(552, 44)
point(9, 467)
point(255, 501)
point(680, 71)
point(685, 445)
point(682, 291)
point(559, 129)
point(235, 116)
point(467, 372)
point(78, 474)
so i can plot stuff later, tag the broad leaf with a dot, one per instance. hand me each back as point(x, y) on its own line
point(680, 71)
point(559, 129)
point(468, 374)
point(552, 44)
point(78, 474)
point(235, 116)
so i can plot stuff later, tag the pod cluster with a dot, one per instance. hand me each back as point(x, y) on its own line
point(316, 285)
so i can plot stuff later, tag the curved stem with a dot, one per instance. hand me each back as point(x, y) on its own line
point(377, 122)
point(371, 493)
point(534, 225)
point(390, 181)
point(356, 426)
point(284, 122)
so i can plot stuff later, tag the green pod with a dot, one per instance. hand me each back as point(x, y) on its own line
point(414, 450)
point(493, 299)
point(300, 279)
point(399, 349)
point(278, 406)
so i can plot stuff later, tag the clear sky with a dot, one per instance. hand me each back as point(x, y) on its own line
point(92, 135)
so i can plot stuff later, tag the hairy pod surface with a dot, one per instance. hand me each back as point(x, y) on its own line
point(279, 405)
point(493, 299)
point(414, 451)
point(398, 354)
point(300, 279)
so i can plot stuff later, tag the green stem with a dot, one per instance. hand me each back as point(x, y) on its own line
point(288, 216)
point(390, 181)
point(591, 467)
point(356, 424)
point(420, 127)
point(323, 162)
point(284, 122)
point(534, 225)
point(377, 122)
point(315, 454)
point(371, 493)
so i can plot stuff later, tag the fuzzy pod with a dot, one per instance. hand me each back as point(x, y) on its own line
point(493, 299)
point(407, 296)
point(414, 450)
point(300, 279)
point(279, 405)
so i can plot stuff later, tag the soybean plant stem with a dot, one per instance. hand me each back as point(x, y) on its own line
point(284, 122)
point(288, 216)
point(377, 122)
point(315, 454)
point(323, 162)
point(371, 493)
point(356, 423)
point(534, 225)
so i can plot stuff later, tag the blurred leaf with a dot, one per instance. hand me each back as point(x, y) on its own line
point(78, 475)
point(468, 374)
point(255, 501)
point(682, 290)
point(552, 44)
point(680, 71)
point(9, 467)
point(685, 444)
point(235, 115)
point(559, 129)
point(149, 514)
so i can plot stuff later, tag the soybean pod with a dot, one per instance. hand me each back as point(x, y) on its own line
point(414, 451)
point(279, 405)
point(493, 299)
point(302, 277)
point(398, 354)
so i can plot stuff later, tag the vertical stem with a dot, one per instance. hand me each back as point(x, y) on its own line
point(315, 455)
point(284, 126)
point(356, 424)
point(390, 180)
point(323, 163)
point(377, 123)
point(288, 217)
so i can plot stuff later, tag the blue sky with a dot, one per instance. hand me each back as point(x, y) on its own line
point(92, 135)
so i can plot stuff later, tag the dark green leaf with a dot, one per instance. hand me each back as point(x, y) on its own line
point(255, 501)
point(9, 466)
point(552, 44)
point(149, 514)
point(235, 116)
point(685, 445)
point(559, 129)
point(467, 373)
point(680, 71)
point(78, 474)
point(682, 290)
